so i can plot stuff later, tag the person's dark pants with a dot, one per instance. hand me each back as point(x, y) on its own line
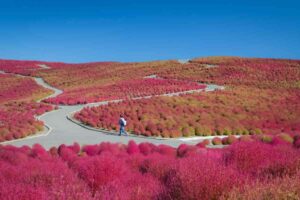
point(122, 130)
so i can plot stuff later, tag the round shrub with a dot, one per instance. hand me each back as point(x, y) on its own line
point(216, 141)
point(237, 131)
point(53, 151)
point(258, 131)
point(175, 133)
point(231, 139)
point(182, 149)
point(132, 147)
point(226, 131)
point(188, 131)
point(266, 138)
point(224, 141)
point(145, 148)
point(217, 132)
point(198, 131)
point(245, 132)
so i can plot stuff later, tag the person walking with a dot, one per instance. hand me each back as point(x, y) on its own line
point(122, 123)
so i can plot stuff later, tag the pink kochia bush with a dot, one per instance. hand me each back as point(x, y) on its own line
point(146, 171)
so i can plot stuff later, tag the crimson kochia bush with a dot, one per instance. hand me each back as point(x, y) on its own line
point(147, 171)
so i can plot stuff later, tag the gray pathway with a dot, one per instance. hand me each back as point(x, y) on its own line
point(41, 82)
point(43, 66)
point(183, 61)
point(63, 131)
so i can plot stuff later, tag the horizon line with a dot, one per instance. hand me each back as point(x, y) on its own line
point(154, 60)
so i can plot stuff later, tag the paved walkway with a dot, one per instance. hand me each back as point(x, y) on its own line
point(63, 131)
point(43, 66)
point(183, 61)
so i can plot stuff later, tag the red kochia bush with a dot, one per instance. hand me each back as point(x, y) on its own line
point(199, 177)
point(100, 170)
point(229, 140)
point(132, 148)
point(147, 171)
point(216, 141)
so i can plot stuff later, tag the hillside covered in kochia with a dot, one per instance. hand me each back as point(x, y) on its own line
point(87, 79)
point(261, 96)
point(233, 111)
point(18, 96)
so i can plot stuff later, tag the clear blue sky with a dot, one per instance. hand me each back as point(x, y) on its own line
point(111, 30)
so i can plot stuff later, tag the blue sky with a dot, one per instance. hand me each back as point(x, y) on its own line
point(111, 30)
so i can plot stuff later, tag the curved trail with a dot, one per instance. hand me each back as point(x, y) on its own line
point(63, 131)
point(42, 83)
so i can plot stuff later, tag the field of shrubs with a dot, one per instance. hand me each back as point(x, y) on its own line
point(261, 103)
point(228, 112)
point(261, 96)
point(18, 67)
point(244, 170)
point(18, 107)
point(234, 71)
point(26, 67)
point(125, 90)
point(94, 82)
point(99, 81)
point(86, 78)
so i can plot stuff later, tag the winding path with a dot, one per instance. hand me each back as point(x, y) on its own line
point(61, 130)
